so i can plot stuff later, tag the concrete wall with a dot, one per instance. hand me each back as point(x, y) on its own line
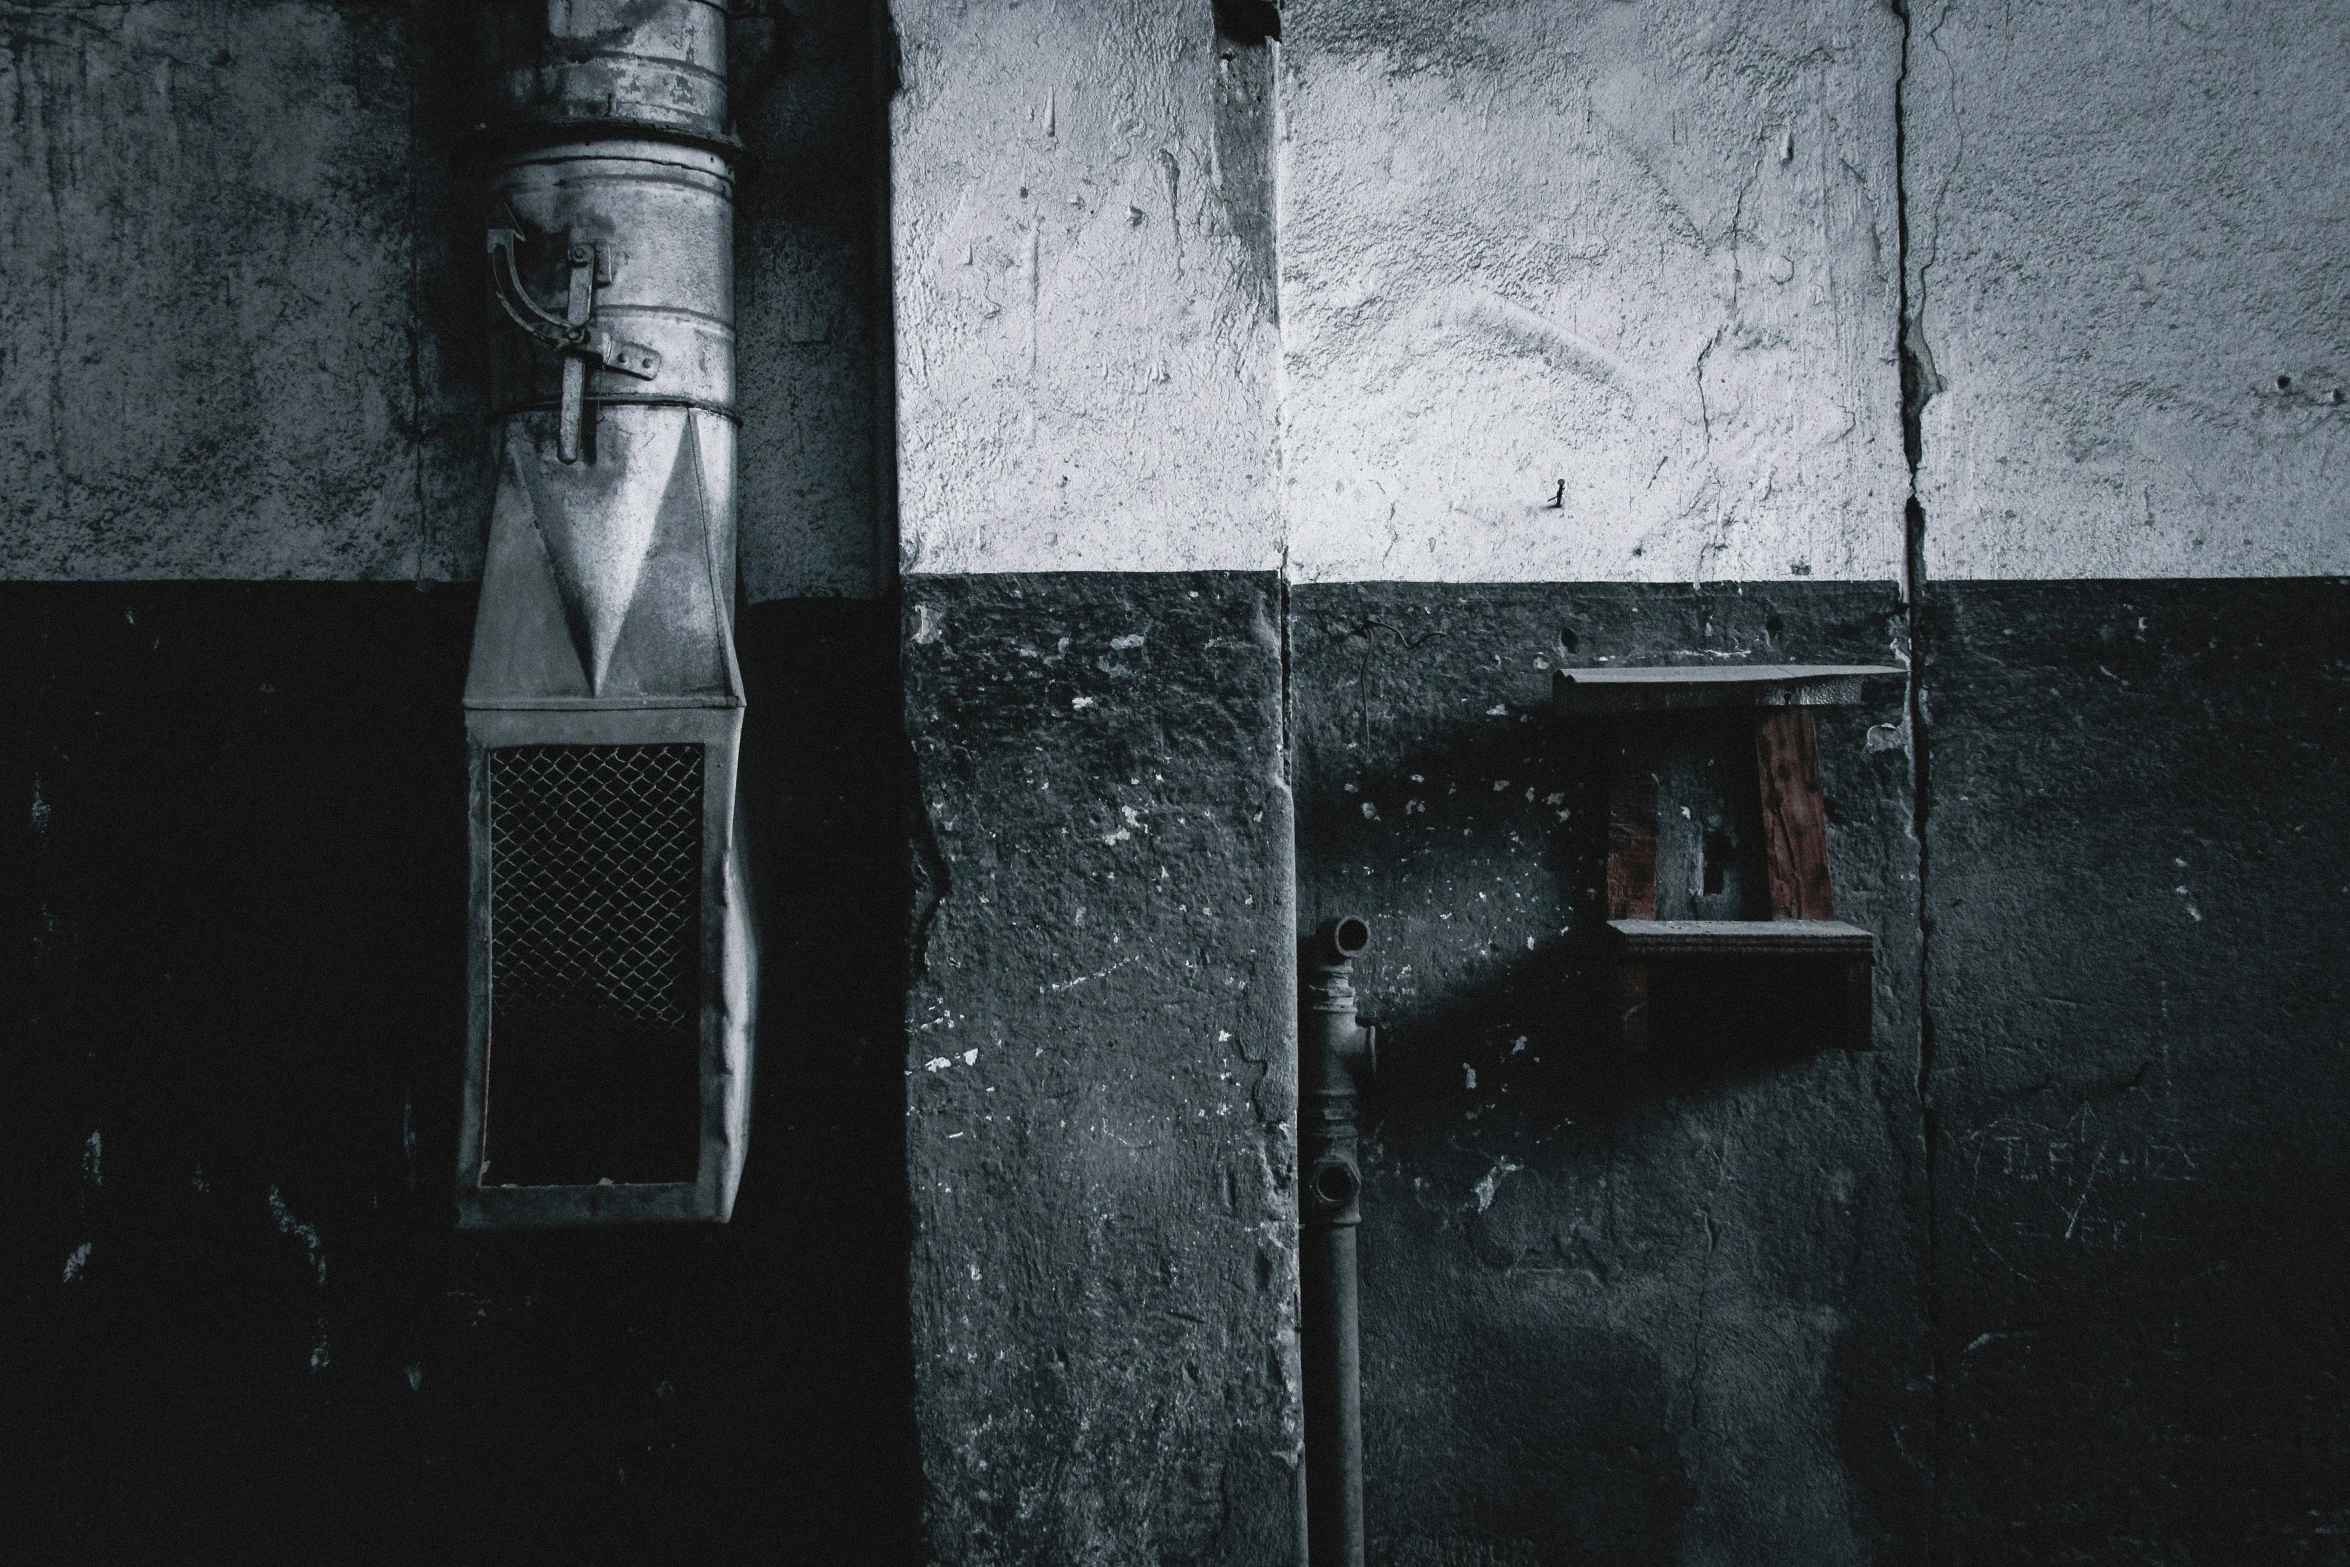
point(2135, 892)
point(228, 352)
point(1649, 1309)
point(1653, 247)
point(238, 340)
point(1086, 346)
point(2126, 304)
point(812, 299)
point(1590, 291)
point(1101, 1036)
point(1101, 1083)
point(2129, 345)
point(1249, 422)
point(243, 1324)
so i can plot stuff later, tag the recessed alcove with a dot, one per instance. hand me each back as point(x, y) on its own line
point(1754, 864)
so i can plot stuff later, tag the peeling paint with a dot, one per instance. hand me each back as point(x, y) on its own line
point(307, 1234)
point(1492, 1179)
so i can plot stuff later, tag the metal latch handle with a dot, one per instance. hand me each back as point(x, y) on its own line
point(573, 335)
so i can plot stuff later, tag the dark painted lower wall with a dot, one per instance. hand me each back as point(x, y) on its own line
point(1663, 1310)
point(244, 1327)
point(1101, 1070)
point(2139, 898)
point(2052, 1275)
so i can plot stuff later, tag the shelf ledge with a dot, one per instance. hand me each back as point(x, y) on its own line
point(1657, 689)
point(1654, 939)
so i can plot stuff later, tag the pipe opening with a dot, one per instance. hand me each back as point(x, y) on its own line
point(1336, 1184)
point(1343, 938)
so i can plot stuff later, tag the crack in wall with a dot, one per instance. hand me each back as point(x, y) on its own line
point(1919, 383)
point(1705, 1277)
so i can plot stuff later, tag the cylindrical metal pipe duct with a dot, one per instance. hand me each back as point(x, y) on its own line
point(1336, 1057)
point(613, 960)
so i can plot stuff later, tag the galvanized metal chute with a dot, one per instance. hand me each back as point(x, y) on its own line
point(613, 961)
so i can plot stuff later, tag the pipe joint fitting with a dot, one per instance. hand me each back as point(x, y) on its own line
point(1334, 1190)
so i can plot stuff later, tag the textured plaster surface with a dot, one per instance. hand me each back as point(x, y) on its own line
point(1590, 291)
point(2137, 887)
point(226, 248)
point(2126, 279)
point(1085, 342)
point(242, 333)
point(1101, 1070)
point(1661, 1311)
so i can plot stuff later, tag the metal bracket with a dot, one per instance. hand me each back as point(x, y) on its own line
point(573, 335)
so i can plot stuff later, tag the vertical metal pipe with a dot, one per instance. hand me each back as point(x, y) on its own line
point(1336, 1060)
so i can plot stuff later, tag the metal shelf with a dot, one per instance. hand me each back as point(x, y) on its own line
point(1677, 687)
point(1665, 939)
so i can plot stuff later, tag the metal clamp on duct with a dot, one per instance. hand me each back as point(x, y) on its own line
point(613, 961)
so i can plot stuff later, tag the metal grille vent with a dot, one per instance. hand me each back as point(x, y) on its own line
point(596, 883)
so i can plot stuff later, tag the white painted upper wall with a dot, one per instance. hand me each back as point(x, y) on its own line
point(2131, 252)
point(1631, 257)
point(1586, 290)
point(1085, 374)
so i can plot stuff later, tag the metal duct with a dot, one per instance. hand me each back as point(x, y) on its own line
point(613, 961)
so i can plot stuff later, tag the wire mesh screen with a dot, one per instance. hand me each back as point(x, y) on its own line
point(595, 963)
point(596, 879)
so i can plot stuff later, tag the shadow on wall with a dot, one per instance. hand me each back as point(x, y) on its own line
point(811, 95)
point(1544, 790)
point(1656, 1308)
point(234, 982)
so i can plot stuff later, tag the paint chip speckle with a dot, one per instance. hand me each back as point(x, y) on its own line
point(1485, 1188)
point(307, 1234)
